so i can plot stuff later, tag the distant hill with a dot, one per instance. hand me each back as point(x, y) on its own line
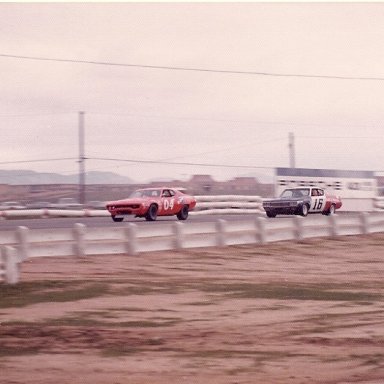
point(24, 177)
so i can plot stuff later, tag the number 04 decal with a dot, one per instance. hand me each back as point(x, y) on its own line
point(169, 204)
point(318, 204)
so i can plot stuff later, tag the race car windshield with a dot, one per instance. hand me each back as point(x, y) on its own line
point(145, 193)
point(295, 193)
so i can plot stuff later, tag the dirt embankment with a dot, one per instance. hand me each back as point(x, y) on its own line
point(287, 313)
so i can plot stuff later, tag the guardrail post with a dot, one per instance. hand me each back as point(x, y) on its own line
point(364, 223)
point(2, 263)
point(332, 225)
point(220, 233)
point(22, 240)
point(131, 239)
point(178, 235)
point(261, 235)
point(298, 231)
point(79, 238)
point(11, 263)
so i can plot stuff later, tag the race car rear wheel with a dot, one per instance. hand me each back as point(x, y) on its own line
point(152, 213)
point(270, 214)
point(304, 210)
point(117, 219)
point(183, 214)
point(331, 210)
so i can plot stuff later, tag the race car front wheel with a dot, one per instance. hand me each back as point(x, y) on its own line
point(117, 219)
point(152, 213)
point(304, 210)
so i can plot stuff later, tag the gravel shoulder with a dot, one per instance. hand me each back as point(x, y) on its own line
point(284, 312)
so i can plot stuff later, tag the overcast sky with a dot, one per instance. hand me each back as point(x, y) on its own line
point(197, 83)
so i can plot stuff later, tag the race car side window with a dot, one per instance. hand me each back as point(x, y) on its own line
point(151, 193)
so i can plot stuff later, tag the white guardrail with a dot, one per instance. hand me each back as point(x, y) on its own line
point(206, 205)
point(130, 239)
point(378, 203)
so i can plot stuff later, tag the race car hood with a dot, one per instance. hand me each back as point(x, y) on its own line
point(285, 199)
point(135, 201)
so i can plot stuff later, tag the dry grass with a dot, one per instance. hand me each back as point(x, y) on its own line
point(279, 313)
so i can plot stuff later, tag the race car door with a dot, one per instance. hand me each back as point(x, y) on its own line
point(169, 203)
point(317, 200)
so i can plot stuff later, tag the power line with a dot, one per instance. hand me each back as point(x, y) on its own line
point(177, 163)
point(36, 161)
point(38, 114)
point(153, 162)
point(261, 122)
point(168, 161)
point(254, 73)
point(341, 137)
point(226, 149)
point(196, 164)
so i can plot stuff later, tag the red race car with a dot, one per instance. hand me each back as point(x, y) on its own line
point(152, 202)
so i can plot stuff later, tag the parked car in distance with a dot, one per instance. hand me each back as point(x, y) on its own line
point(302, 201)
point(67, 203)
point(7, 205)
point(152, 202)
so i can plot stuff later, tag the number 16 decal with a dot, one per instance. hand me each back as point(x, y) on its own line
point(318, 204)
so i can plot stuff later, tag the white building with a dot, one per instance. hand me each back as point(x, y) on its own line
point(357, 189)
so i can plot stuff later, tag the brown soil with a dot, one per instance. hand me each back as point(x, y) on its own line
point(285, 313)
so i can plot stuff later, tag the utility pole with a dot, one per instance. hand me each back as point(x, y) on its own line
point(81, 159)
point(292, 161)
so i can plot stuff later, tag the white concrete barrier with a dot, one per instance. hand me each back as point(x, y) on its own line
point(130, 239)
point(211, 205)
point(229, 203)
point(206, 205)
point(9, 265)
point(378, 203)
point(51, 213)
point(225, 198)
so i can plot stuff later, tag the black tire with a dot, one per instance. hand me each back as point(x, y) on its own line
point(152, 213)
point(271, 214)
point(304, 210)
point(331, 210)
point(117, 219)
point(183, 214)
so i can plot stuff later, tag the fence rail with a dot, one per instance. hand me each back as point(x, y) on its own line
point(131, 239)
point(378, 202)
point(206, 205)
